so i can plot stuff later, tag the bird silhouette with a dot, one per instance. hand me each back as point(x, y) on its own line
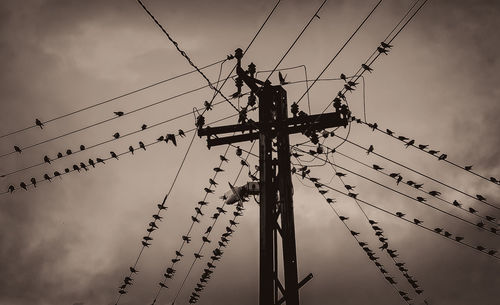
point(116, 135)
point(480, 248)
point(161, 138)
point(385, 45)
point(339, 174)
point(76, 168)
point(223, 158)
point(133, 270)
point(370, 150)
point(354, 233)
point(382, 50)
point(480, 197)
point(202, 203)
point(348, 88)
point(187, 239)
point(218, 169)
point(59, 155)
point(421, 199)
point(389, 132)
point(212, 182)
point(179, 254)
point(68, 152)
point(131, 149)
point(394, 175)
point(366, 67)
point(171, 137)
point(422, 146)
point(46, 159)
point(152, 224)
point(82, 147)
point(66, 170)
point(82, 165)
point(400, 215)
point(434, 193)
point(403, 138)
point(468, 167)
point(119, 113)
point(417, 222)
point(459, 238)
point(33, 181)
point(113, 155)
point(282, 79)
point(205, 239)
point(16, 148)
point(157, 217)
point(198, 256)
point(194, 219)
point(145, 244)
point(208, 106)
point(418, 186)
point(198, 211)
point(121, 291)
point(11, 188)
point(91, 163)
point(343, 77)
point(352, 83)
point(99, 160)
point(438, 230)
point(376, 167)
point(47, 177)
point(162, 285)
point(181, 133)
point(207, 190)
point(39, 123)
point(209, 229)
point(161, 206)
point(144, 126)
point(57, 174)
point(442, 157)
point(433, 152)
point(147, 238)
point(221, 210)
point(409, 143)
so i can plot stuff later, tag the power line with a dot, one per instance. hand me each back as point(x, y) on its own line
point(153, 225)
point(456, 204)
point(419, 173)
point(402, 194)
point(67, 171)
point(340, 50)
point(183, 53)
point(113, 98)
point(106, 120)
point(442, 157)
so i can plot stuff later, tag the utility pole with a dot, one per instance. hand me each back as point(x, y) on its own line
point(276, 189)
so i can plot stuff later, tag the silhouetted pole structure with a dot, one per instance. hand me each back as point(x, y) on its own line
point(276, 190)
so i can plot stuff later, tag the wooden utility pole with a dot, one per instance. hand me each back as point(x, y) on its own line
point(276, 189)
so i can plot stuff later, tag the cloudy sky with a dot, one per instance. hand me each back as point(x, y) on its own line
point(72, 241)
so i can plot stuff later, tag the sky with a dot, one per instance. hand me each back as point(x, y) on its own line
point(71, 241)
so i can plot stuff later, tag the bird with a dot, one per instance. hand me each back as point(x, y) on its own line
point(194, 219)
point(82, 165)
point(354, 233)
point(153, 225)
point(456, 203)
point(121, 291)
point(119, 113)
point(212, 182)
point(389, 132)
point(422, 146)
point(16, 148)
point(116, 135)
point(161, 138)
point(400, 178)
point(147, 238)
point(438, 230)
point(202, 203)
point(348, 88)
point(82, 147)
point(175, 260)
point(394, 175)
point(141, 145)
point(370, 149)
point(59, 155)
point(113, 154)
point(57, 174)
point(233, 223)
point(349, 187)
point(366, 67)
point(376, 167)
point(218, 169)
point(91, 163)
point(282, 79)
point(76, 168)
point(68, 152)
point(161, 207)
point(133, 270)
point(421, 199)
point(187, 239)
point(223, 158)
point(343, 77)
point(179, 254)
point(434, 193)
point(162, 285)
point(494, 180)
point(145, 244)
point(409, 143)
point(198, 256)
point(208, 106)
point(181, 133)
point(480, 248)
point(459, 238)
point(209, 229)
point(11, 188)
point(385, 45)
point(198, 211)
point(390, 280)
point(244, 163)
point(433, 152)
point(33, 181)
point(339, 174)
point(215, 216)
point(221, 210)
point(403, 138)
point(46, 177)
point(207, 190)
point(46, 159)
point(442, 157)
point(144, 126)
point(99, 160)
point(480, 197)
point(400, 215)
point(157, 217)
point(352, 83)
point(417, 221)
point(39, 123)
point(418, 186)
point(171, 137)
point(66, 170)
point(468, 167)
point(205, 239)
point(382, 50)
point(131, 149)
